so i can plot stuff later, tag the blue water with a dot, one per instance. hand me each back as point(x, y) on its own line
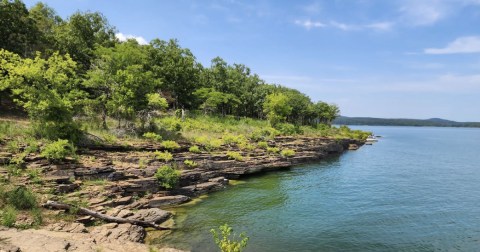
point(417, 189)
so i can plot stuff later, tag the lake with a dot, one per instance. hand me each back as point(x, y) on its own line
point(417, 189)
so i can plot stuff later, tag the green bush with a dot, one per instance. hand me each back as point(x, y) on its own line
point(234, 155)
point(152, 136)
point(170, 145)
point(37, 216)
point(273, 150)
point(58, 150)
point(229, 138)
point(208, 143)
point(190, 163)
point(34, 176)
point(227, 242)
point(287, 129)
point(21, 198)
point(246, 146)
point(194, 149)
point(164, 156)
point(287, 153)
point(9, 216)
point(167, 176)
point(264, 133)
point(262, 145)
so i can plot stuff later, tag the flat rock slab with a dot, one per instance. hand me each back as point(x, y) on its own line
point(119, 232)
point(151, 215)
point(168, 200)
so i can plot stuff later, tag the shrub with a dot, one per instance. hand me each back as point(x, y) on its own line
point(228, 242)
point(194, 149)
point(37, 216)
point(209, 144)
point(34, 176)
point(9, 216)
point(58, 150)
point(287, 153)
point(170, 145)
point(152, 136)
point(164, 156)
point(264, 134)
point(167, 176)
point(246, 146)
point(22, 198)
point(273, 150)
point(262, 145)
point(229, 138)
point(234, 155)
point(287, 129)
point(190, 163)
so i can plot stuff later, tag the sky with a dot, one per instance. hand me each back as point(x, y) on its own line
point(392, 59)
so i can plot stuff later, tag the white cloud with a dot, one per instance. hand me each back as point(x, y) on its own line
point(424, 12)
point(378, 26)
point(124, 37)
point(308, 24)
point(460, 45)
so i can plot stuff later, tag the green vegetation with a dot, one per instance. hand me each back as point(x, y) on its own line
point(170, 145)
point(9, 216)
point(287, 153)
point(15, 199)
point(273, 150)
point(58, 150)
point(167, 176)
point(234, 155)
point(194, 149)
point(152, 136)
point(163, 156)
point(228, 242)
point(190, 163)
point(262, 145)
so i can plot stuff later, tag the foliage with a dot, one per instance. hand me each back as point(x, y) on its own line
point(190, 163)
point(164, 156)
point(273, 150)
point(152, 136)
point(262, 145)
point(9, 216)
point(167, 176)
point(234, 155)
point(287, 153)
point(277, 108)
point(58, 150)
point(34, 176)
point(232, 139)
point(170, 145)
point(194, 149)
point(228, 242)
point(21, 198)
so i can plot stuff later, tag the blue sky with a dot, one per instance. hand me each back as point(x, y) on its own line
point(394, 59)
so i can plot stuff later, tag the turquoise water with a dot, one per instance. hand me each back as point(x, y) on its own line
point(417, 189)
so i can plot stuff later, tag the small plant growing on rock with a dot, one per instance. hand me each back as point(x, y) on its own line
point(234, 155)
point(194, 149)
point(152, 136)
point(287, 153)
point(273, 150)
point(262, 145)
point(226, 241)
point(167, 176)
point(163, 156)
point(190, 163)
point(58, 150)
point(170, 145)
point(9, 216)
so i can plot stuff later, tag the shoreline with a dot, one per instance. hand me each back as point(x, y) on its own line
point(119, 181)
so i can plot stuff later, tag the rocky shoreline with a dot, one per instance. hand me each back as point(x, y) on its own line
point(119, 181)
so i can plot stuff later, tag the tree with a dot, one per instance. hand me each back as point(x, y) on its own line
point(18, 32)
point(46, 21)
point(277, 108)
point(48, 90)
point(178, 70)
point(81, 34)
point(326, 113)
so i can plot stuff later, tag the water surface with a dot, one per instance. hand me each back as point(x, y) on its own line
point(417, 189)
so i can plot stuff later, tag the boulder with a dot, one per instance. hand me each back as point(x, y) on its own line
point(119, 232)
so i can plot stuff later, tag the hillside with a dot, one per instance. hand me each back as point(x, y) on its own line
point(432, 122)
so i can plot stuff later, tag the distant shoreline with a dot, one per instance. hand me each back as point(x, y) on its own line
point(433, 122)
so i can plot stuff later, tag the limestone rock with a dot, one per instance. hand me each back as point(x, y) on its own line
point(168, 200)
point(119, 232)
point(151, 215)
point(67, 227)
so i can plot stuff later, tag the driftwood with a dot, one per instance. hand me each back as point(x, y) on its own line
point(107, 218)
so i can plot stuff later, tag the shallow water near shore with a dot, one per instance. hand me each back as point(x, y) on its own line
point(417, 189)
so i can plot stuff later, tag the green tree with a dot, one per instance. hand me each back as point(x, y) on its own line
point(81, 34)
point(277, 108)
point(48, 90)
point(46, 21)
point(18, 31)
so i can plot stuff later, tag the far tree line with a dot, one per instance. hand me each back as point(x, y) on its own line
point(58, 69)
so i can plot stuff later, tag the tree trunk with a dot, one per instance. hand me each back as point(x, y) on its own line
point(107, 218)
